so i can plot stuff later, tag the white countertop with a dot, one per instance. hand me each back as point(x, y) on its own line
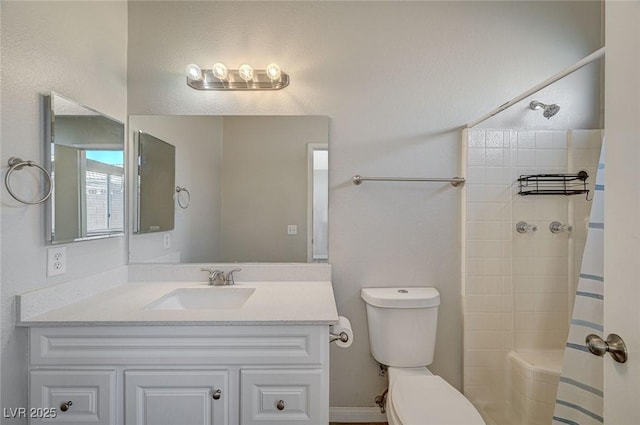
point(272, 303)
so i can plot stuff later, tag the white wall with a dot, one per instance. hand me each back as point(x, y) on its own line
point(397, 80)
point(77, 49)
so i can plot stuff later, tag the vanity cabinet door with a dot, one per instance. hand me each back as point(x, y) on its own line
point(171, 397)
point(80, 397)
point(291, 396)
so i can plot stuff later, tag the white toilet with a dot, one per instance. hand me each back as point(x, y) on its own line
point(402, 335)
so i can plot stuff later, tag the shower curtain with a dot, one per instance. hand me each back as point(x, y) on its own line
point(579, 400)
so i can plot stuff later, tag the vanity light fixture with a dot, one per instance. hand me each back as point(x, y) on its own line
point(219, 77)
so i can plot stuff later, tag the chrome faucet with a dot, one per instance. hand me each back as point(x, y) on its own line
point(216, 277)
point(229, 280)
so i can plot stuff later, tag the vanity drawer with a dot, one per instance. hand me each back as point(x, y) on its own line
point(160, 345)
point(72, 396)
point(281, 396)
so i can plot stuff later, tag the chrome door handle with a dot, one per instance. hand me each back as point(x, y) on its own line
point(614, 345)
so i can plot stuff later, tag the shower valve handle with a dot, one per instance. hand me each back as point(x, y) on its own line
point(524, 227)
point(557, 227)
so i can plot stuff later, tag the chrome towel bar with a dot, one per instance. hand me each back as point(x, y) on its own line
point(455, 181)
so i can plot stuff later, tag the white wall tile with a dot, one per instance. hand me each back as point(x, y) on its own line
point(498, 176)
point(526, 140)
point(524, 284)
point(544, 140)
point(522, 291)
point(581, 139)
point(476, 139)
point(495, 157)
point(559, 140)
point(476, 156)
point(494, 139)
point(526, 158)
point(475, 230)
point(475, 285)
point(493, 267)
point(475, 174)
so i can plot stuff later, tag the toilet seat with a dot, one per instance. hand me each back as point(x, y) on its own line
point(429, 399)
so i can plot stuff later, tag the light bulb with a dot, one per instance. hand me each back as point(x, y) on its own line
point(246, 72)
point(220, 71)
point(194, 72)
point(273, 72)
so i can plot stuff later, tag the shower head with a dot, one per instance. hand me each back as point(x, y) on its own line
point(549, 110)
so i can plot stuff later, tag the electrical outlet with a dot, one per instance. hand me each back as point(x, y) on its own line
point(166, 240)
point(56, 261)
point(292, 229)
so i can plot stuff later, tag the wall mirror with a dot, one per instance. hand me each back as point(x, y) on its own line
point(84, 153)
point(248, 189)
point(154, 185)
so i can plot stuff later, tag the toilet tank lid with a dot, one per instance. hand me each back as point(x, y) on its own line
point(407, 297)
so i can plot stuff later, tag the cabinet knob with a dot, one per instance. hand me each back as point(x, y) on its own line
point(217, 394)
point(280, 405)
point(65, 406)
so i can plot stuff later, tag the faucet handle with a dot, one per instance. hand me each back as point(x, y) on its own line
point(524, 227)
point(557, 227)
point(214, 275)
point(229, 278)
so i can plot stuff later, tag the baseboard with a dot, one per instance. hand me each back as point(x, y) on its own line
point(356, 414)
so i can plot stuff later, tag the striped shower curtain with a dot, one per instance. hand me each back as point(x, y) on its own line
point(579, 398)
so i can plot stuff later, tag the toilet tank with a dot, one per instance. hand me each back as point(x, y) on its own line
point(402, 324)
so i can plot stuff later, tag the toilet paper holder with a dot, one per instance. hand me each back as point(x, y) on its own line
point(341, 333)
point(342, 337)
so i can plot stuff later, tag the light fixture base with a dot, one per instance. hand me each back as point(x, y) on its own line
point(260, 81)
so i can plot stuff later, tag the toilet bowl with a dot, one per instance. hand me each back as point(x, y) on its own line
point(417, 397)
point(402, 334)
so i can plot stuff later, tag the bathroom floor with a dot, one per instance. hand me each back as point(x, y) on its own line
point(368, 423)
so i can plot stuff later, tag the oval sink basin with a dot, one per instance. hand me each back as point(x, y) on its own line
point(210, 298)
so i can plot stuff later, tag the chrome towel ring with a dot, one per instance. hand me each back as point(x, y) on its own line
point(16, 163)
point(183, 205)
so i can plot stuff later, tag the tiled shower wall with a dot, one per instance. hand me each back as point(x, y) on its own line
point(518, 288)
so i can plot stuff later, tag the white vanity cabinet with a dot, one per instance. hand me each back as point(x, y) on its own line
point(186, 375)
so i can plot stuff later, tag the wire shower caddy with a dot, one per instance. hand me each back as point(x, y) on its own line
point(554, 184)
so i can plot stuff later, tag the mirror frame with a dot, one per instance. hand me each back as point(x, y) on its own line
point(48, 139)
